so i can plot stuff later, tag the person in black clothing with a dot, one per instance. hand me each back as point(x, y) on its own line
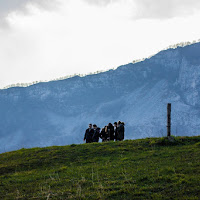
point(110, 131)
point(115, 131)
point(120, 131)
point(107, 134)
point(103, 135)
point(96, 134)
point(89, 134)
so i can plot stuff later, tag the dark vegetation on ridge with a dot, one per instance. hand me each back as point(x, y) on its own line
point(151, 168)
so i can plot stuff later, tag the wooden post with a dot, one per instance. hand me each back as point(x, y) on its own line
point(169, 120)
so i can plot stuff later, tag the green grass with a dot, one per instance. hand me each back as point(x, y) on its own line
point(152, 168)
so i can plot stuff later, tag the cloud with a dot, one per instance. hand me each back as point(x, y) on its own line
point(165, 9)
point(140, 9)
point(9, 6)
point(83, 37)
point(154, 9)
point(101, 2)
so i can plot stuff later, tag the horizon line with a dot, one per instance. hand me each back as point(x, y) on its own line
point(174, 46)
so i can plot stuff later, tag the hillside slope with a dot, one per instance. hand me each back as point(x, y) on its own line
point(151, 168)
point(58, 112)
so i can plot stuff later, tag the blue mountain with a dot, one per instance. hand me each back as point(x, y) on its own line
point(58, 112)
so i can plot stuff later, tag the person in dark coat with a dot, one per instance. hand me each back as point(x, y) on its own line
point(107, 134)
point(89, 134)
point(103, 135)
point(115, 131)
point(110, 131)
point(120, 131)
point(96, 134)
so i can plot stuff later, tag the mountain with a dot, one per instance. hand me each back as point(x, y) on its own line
point(58, 112)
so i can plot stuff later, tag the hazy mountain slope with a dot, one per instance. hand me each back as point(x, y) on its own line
point(57, 112)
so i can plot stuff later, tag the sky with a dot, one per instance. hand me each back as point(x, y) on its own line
point(42, 40)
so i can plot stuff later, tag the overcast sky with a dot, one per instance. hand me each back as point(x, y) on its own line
point(47, 39)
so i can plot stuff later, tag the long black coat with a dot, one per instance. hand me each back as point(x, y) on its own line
point(120, 132)
point(96, 135)
point(103, 135)
point(89, 135)
point(110, 130)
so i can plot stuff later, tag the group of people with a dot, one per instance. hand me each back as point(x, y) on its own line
point(110, 132)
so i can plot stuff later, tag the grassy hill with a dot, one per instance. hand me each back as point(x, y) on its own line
point(152, 168)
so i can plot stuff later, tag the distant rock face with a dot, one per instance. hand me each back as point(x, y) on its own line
point(58, 112)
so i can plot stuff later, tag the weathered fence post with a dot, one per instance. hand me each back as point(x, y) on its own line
point(168, 119)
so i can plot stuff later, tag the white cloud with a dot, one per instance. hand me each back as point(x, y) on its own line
point(78, 37)
point(9, 6)
point(159, 9)
point(101, 2)
point(165, 9)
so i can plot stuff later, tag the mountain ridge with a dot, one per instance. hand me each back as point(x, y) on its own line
point(57, 112)
point(178, 45)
